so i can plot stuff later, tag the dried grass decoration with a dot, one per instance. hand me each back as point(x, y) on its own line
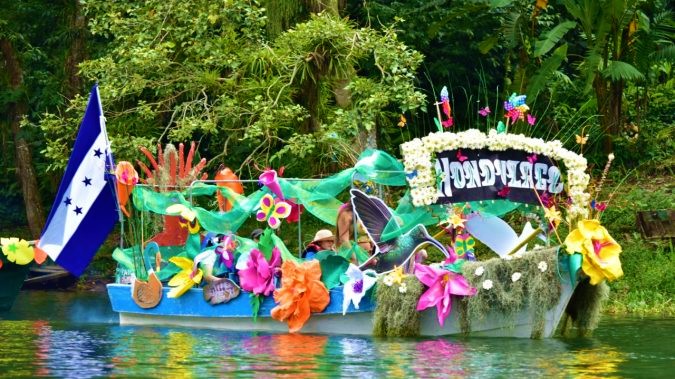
point(395, 311)
point(510, 286)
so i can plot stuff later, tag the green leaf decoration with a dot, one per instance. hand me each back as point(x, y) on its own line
point(256, 300)
point(332, 267)
point(438, 124)
point(266, 243)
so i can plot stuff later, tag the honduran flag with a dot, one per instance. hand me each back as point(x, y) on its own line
point(85, 209)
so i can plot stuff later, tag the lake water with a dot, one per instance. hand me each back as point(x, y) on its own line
point(62, 334)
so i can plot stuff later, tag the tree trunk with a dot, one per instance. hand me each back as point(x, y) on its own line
point(310, 99)
point(24, 160)
point(76, 52)
point(603, 99)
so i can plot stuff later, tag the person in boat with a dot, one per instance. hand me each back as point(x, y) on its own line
point(367, 245)
point(323, 240)
point(344, 225)
point(255, 235)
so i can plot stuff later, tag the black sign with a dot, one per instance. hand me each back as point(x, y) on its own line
point(472, 175)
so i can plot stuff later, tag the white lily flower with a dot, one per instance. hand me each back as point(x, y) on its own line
point(356, 287)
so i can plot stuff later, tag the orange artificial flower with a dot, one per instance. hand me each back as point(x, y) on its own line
point(301, 293)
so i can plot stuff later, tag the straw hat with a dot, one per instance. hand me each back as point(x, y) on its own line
point(323, 235)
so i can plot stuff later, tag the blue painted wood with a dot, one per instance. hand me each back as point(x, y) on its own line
point(192, 304)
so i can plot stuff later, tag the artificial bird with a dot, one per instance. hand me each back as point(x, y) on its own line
point(389, 251)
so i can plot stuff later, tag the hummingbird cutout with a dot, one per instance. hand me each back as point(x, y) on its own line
point(375, 216)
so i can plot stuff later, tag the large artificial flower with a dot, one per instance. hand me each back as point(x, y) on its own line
point(17, 250)
point(600, 251)
point(301, 293)
point(356, 287)
point(185, 279)
point(258, 276)
point(442, 285)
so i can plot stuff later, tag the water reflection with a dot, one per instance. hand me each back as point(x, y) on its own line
point(601, 361)
point(428, 353)
point(47, 346)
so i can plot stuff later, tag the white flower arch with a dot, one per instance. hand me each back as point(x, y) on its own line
point(419, 156)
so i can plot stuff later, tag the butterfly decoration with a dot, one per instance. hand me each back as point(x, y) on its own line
point(272, 211)
point(599, 206)
point(464, 246)
point(188, 217)
point(531, 120)
point(501, 127)
point(412, 174)
point(402, 121)
point(460, 156)
point(504, 192)
point(532, 158)
point(581, 139)
point(445, 105)
point(484, 111)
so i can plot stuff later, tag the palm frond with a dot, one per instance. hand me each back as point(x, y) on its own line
point(552, 37)
point(618, 70)
point(666, 53)
point(547, 69)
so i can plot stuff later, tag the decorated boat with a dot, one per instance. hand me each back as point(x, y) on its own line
point(422, 247)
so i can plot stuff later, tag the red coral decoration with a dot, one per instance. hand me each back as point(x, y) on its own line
point(171, 172)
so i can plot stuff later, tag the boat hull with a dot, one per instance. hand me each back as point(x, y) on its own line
point(11, 280)
point(191, 311)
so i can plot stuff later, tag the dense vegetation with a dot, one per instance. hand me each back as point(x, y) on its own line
point(309, 84)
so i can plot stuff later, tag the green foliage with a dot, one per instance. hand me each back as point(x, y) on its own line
point(648, 284)
point(204, 71)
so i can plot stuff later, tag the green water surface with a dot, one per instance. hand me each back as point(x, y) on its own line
point(61, 334)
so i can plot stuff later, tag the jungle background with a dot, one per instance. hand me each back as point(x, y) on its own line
point(309, 84)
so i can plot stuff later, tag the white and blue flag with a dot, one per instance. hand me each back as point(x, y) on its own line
point(85, 209)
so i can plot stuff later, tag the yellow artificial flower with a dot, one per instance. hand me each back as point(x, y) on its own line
point(457, 221)
point(185, 279)
point(17, 250)
point(552, 215)
point(601, 252)
point(397, 275)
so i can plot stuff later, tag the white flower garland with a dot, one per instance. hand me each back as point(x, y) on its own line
point(419, 157)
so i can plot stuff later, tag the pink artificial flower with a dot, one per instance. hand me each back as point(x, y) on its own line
point(442, 285)
point(270, 179)
point(258, 276)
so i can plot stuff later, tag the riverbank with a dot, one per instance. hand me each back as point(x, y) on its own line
point(648, 284)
